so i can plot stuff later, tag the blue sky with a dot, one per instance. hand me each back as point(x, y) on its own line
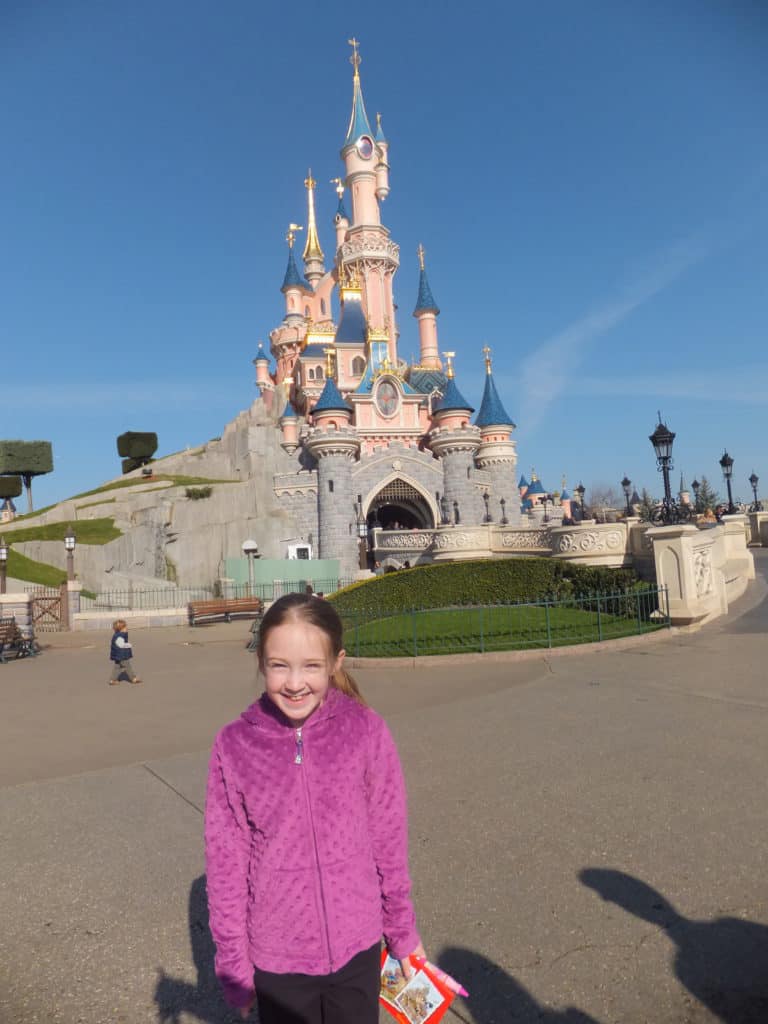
point(588, 179)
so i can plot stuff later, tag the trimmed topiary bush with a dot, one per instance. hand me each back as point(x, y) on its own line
point(500, 581)
point(10, 486)
point(136, 449)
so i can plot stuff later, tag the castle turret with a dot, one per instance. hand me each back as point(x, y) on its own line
point(454, 441)
point(293, 284)
point(289, 424)
point(497, 453)
point(426, 312)
point(359, 154)
point(313, 256)
point(335, 445)
point(263, 378)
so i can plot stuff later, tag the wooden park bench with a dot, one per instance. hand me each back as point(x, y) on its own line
point(225, 608)
point(13, 641)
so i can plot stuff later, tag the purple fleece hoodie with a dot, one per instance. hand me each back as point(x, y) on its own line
point(306, 843)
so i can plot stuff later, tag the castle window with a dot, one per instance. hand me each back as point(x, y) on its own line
point(306, 312)
point(358, 366)
point(319, 373)
point(330, 486)
point(322, 306)
point(310, 374)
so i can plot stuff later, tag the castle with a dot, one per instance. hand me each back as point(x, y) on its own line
point(377, 444)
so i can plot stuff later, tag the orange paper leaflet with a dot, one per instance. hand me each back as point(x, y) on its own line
point(421, 999)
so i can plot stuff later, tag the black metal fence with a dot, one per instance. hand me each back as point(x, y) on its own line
point(500, 627)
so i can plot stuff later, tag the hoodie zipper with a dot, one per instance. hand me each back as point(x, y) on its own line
point(299, 759)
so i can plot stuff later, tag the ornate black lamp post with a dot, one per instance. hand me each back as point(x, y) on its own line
point(696, 485)
point(670, 512)
point(456, 516)
point(362, 536)
point(3, 564)
point(726, 464)
point(757, 505)
point(504, 520)
point(488, 517)
point(626, 485)
point(545, 502)
point(579, 492)
point(69, 543)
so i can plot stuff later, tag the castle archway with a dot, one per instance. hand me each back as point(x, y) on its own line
point(400, 504)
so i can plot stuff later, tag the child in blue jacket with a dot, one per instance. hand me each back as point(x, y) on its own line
point(120, 653)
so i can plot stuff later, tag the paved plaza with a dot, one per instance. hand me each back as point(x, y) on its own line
point(588, 832)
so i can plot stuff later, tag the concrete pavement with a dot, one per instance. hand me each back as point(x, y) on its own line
point(587, 832)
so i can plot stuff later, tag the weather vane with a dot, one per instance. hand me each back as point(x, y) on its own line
point(421, 252)
point(291, 236)
point(339, 186)
point(355, 60)
point(487, 354)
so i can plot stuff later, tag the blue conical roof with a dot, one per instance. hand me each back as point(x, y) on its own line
point(536, 488)
point(341, 211)
point(452, 399)
point(288, 412)
point(358, 122)
point(522, 482)
point(564, 495)
point(262, 356)
point(380, 136)
point(292, 277)
point(330, 398)
point(425, 302)
point(352, 325)
point(491, 410)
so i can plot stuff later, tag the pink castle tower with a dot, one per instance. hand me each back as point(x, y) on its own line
point(377, 445)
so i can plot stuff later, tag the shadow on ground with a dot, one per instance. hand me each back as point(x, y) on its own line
point(723, 963)
point(494, 995)
point(202, 1000)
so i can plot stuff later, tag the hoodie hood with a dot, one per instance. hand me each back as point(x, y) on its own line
point(265, 714)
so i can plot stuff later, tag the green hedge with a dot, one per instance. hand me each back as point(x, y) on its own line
point(136, 445)
point(10, 486)
point(502, 581)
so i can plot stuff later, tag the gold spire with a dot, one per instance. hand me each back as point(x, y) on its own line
point(449, 357)
point(421, 252)
point(487, 354)
point(534, 478)
point(312, 250)
point(563, 483)
point(291, 236)
point(339, 186)
point(328, 361)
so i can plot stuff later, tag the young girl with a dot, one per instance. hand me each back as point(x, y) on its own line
point(306, 835)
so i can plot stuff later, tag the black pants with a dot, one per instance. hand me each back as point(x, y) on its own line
point(348, 996)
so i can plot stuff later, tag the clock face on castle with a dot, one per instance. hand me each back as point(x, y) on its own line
point(387, 398)
point(365, 147)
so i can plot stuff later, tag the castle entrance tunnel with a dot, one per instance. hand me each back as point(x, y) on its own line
point(399, 506)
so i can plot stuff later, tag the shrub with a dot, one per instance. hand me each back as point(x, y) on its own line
point(10, 486)
point(196, 493)
point(502, 581)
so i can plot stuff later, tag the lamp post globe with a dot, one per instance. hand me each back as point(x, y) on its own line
point(662, 440)
point(251, 550)
point(626, 486)
point(726, 464)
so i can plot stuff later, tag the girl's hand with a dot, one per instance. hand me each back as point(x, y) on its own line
point(406, 965)
point(245, 1011)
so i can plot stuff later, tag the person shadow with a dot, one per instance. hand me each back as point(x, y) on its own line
point(723, 962)
point(495, 997)
point(203, 999)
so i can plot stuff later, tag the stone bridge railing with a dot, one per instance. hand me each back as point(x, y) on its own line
point(703, 569)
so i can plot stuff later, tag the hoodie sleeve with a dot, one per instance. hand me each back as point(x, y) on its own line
point(388, 817)
point(227, 846)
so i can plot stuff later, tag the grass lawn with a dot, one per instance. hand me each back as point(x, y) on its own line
point(176, 480)
point(87, 531)
point(467, 630)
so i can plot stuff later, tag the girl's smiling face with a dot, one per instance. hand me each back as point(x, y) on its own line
point(297, 667)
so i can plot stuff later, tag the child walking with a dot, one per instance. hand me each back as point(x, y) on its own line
point(120, 653)
point(306, 835)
